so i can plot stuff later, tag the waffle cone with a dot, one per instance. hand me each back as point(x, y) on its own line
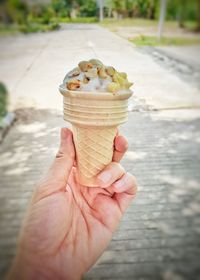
point(94, 118)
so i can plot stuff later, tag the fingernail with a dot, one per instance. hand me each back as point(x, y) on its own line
point(119, 184)
point(105, 176)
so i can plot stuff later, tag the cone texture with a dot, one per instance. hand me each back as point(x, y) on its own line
point(94, 150)
point(94, 118)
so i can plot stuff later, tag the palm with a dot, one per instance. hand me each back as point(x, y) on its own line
point(74, 227)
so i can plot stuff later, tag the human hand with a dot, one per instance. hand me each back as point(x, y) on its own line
point(68, 226)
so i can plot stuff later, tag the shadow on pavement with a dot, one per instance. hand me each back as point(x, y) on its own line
point(158, 237)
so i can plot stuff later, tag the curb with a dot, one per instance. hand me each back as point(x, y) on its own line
point(5, 124)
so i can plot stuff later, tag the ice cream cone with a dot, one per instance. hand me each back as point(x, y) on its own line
point(94, 118)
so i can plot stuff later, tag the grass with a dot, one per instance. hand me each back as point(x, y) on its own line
point(165, 41)
point(127, 22)
point(78, 20)
point(191, 25)
point(112, 23)
point(3, 100)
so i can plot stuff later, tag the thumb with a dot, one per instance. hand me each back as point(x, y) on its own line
point(57, 176)
point(62, 165)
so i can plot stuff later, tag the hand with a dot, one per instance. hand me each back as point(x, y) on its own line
point(68, 226)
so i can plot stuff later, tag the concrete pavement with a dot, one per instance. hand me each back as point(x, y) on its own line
point(159, 235)
point(188, 54)
point(33, 66)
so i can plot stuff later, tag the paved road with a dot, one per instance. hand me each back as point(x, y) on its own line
point(181, 61)
point(189, 55)
point(159, 235)
point(32, 66)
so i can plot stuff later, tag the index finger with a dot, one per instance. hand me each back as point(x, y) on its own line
point(120, 147)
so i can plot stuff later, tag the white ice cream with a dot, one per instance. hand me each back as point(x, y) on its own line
point(93, 76)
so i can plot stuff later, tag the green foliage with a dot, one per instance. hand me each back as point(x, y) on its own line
point(3, 100)
point(177, 8)
point(88, 8)
point(60, 8)
point(165, 41)
point(37, 27)
point(137, 8)
point(13, 11)
point(151, 8)
point(33, 16)
point(41, 13)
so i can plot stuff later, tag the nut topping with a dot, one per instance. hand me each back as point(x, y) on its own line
point(73, 84)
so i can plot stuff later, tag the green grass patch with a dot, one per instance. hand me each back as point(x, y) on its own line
point(126, 22)
point(78, 20)
point(3, 100)
point(141, 22)
point(165, 41)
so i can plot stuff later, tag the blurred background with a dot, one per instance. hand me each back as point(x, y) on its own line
point(157, 42)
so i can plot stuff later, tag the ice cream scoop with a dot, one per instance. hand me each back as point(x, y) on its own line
point(94, 76)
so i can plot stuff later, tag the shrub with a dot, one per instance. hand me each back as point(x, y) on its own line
point(3, 100)
point(88, 8)
point(38, 27)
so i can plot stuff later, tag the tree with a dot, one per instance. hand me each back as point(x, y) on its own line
point(108, 5)
point(13, 11)
point(100, 4)
point(119, 7)
point(182, 13)
point(198, 17)
point(162, 18)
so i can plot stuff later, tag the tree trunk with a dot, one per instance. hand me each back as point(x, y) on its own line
point(100, 10)
point(198, 23)
point(73, 13)
point(182, 14)
point(162, 18)
point(109, 12)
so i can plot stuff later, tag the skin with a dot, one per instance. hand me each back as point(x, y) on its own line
point(68, 226)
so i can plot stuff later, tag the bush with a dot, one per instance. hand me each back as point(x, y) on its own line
point(13, 11)
point(88, 8)
point(54, 26)
point(3, 100)
point(38, 27)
